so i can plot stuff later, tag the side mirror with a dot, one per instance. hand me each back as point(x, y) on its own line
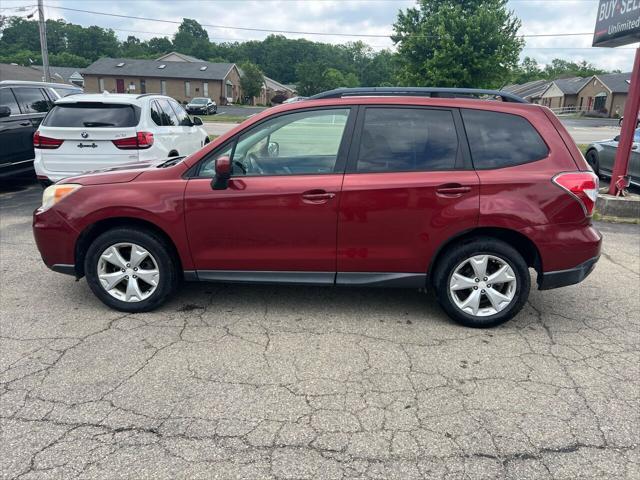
point(197, 121)
point(273, 149)
point(223, 173)
point(4, 111)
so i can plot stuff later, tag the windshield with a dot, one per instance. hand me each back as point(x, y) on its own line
point(87, 114)
point(199, 100)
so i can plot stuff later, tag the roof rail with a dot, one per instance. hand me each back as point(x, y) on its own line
point(418, 92)
point(146, 95)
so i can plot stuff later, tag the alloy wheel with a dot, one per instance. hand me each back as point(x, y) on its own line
point(483, 285)
point(128, 272)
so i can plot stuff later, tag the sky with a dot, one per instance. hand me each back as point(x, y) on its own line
point(355, 17)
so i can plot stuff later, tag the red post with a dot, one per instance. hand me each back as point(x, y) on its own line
point(620, 168)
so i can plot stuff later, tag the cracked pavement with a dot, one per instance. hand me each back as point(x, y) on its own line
point(257, 382)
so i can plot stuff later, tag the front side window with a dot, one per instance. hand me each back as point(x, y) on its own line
point(8, 100)
point(304, 143)
point(499, 140)
point(181, 113)
point(31, 100)
point(407, 139)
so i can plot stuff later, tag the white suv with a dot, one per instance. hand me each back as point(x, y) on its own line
point(95, 131)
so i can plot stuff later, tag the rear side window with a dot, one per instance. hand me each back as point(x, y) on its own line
point(32, 100)
point(407, 139)
point(181, 113)
point(500, 140)
point(169, 118)
point(94, 115)
point(156, 114)
point(8, 100)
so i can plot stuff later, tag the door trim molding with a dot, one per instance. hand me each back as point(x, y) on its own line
point(248, 276)
point(354, 279)
point(382, 279)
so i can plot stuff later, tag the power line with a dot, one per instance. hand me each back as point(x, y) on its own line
point(291, 32)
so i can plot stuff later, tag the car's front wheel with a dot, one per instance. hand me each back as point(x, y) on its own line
point(482, 283)
point(131, 270)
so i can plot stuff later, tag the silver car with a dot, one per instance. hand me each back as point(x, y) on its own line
point(602, 155)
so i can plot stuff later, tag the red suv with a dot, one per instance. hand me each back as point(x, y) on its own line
point(414, 188)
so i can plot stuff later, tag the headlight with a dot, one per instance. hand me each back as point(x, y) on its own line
point(55, 193)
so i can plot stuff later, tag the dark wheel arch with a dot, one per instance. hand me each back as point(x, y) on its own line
point(520, 242)
point(92, 232)
point(593, 160)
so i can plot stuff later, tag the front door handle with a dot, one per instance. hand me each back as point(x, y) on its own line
point(452, 190)
point(317, 196)
point(26, 124)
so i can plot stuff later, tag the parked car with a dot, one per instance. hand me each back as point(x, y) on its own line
point(202, 106)
point(601, 156)
point(96, 131)
point(23, 105)
point(622, 119)
point(349, 188)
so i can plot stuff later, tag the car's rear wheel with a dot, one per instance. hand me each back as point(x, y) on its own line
point(131, 270)
point(482, 283)
point(593, 161)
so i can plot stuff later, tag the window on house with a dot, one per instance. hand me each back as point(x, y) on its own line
point(101, 84)
point(187, 89)
point(143, 85)
point(229, 90)
point(205, 89)
point(163, 87)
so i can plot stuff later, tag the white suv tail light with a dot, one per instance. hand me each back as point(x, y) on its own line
point(581, 185)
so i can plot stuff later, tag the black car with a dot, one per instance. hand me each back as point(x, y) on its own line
point(23, 105)
point(202, 106)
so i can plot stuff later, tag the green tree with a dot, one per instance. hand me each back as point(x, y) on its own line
point(251, 80)
point(457, 43)
point(158, 46)
point(310, 78)
point(527, 71)
point(66, 59)
point(192, 39)
point(559, 68)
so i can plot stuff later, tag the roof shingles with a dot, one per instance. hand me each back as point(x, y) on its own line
point(149, 68)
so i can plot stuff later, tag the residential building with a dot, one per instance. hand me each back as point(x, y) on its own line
point(34, 73)
point(606, 94)
point(562, 94)
point(530, 91)
point(178, 78)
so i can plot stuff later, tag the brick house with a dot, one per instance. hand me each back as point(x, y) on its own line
point(563, 93)
point(171, 75)
point(605, 93)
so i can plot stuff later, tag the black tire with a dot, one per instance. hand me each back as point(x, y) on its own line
point(593, 161)
point(620, 122)
point(155, 245)
point(479, 246)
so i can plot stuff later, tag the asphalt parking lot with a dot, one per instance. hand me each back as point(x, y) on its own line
point(256, 382)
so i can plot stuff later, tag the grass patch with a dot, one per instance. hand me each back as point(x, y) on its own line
point(223, 118)
point(583, 147)
point(213, 137)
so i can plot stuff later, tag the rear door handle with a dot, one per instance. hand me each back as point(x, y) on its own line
point(452, 190)
point(317, 196)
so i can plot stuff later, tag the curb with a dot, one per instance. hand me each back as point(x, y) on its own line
point(627, 208)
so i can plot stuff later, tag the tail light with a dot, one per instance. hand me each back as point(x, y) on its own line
point(40, 141)
point(583, 186)
point(140, 141)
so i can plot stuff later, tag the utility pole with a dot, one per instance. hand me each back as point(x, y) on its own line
point(43, 41)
